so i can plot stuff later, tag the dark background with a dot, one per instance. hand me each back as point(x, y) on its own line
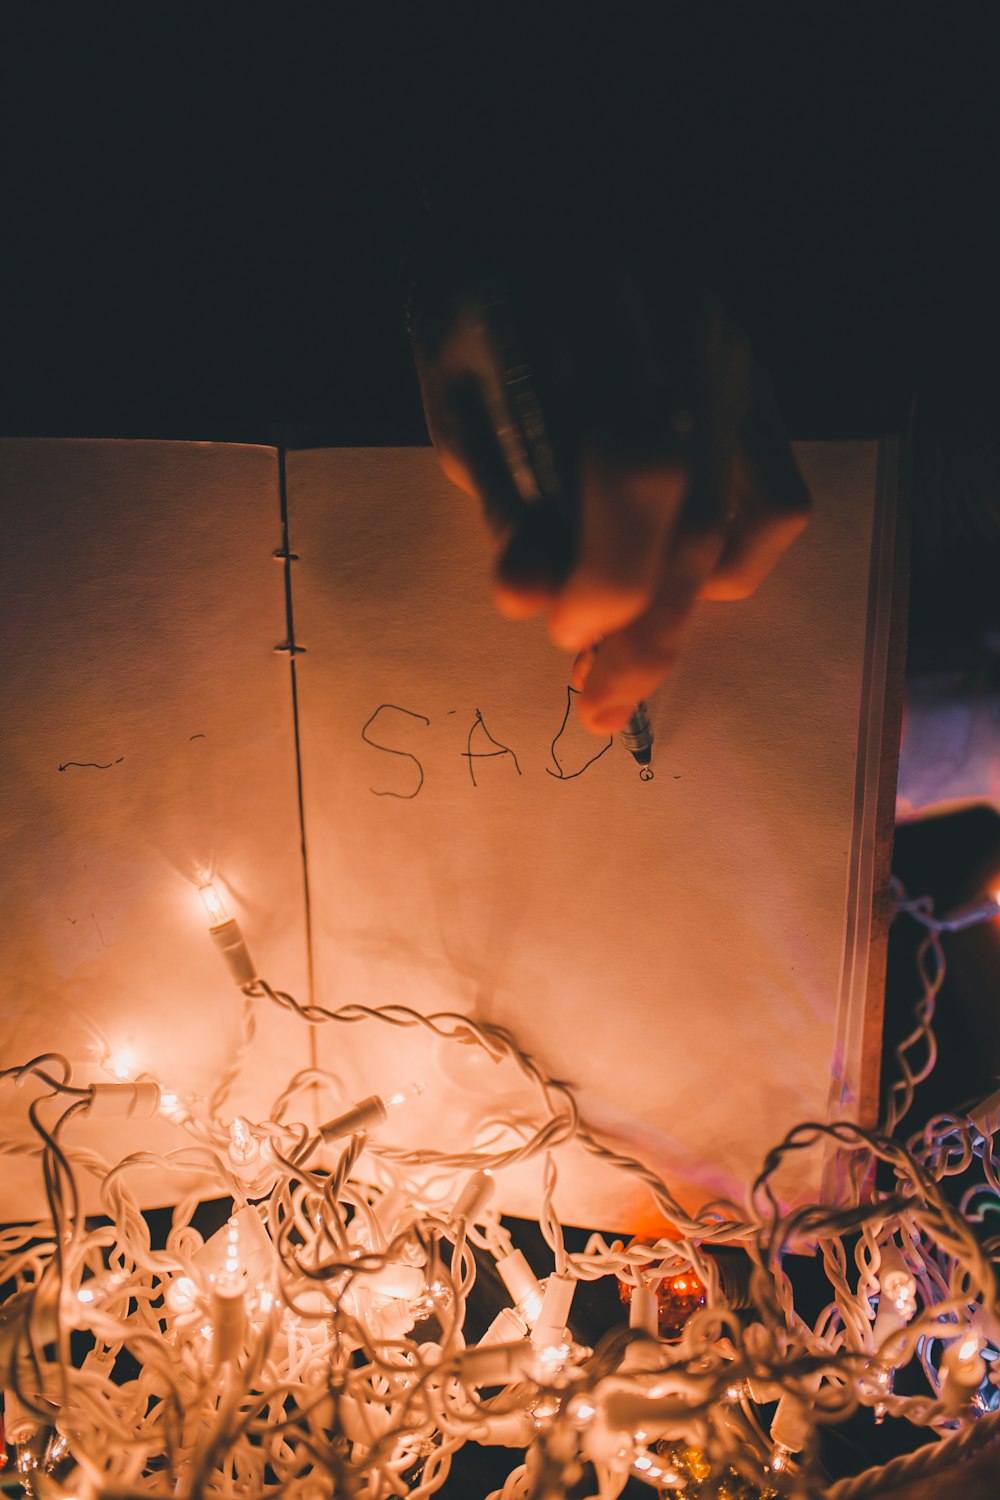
point(207, 208)
point(208, 212)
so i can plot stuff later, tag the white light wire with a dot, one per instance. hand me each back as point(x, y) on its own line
point(338, 1364)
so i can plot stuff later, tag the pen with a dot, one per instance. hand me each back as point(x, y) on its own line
point(528, 456)
point(637, 736)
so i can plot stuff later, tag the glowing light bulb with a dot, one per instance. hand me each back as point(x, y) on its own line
point(229, 1276)
point(181, 1294)
point(678, 1295)
point(654, 1470)
point(968, 1348)
point(551, 1360)
point(550, 1340)
point(403, 1096)
point(121, 1064)
point(228, 1302)
point(963, 1370)
point(244, 1147)
point(213, 904)
point(544, 1407)
point(882, 1378)
point(781, 1457)
point(897, 1281)
point(367, 1114)
point(227, 936)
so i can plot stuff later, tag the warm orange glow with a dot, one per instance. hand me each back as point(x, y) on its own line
point(677, 1297)
point(213, 903)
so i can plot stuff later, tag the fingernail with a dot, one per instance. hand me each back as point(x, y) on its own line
point(614, 718)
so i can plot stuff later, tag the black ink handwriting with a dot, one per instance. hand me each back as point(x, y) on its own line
point(559, 773)
point(473, 755)
point(98, 765)
point(388, 750)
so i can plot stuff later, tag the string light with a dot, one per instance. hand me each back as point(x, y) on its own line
point(316, 1341)
point(963, 1371)
point(227, 936)
point(213, 903)
point(523, 1286)
point(897, 1282)
point(367, 1114)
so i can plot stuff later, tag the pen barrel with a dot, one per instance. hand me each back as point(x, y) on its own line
point(638, 732)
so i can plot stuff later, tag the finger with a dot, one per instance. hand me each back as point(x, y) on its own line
point(625, 517)
point(468, 449)
point(458, 386)
point(769, 504)
point(533, 564)
point(633, 662)
point(754, 544)
point(581, 668)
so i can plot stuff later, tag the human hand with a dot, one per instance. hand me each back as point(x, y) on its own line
point(670, 477)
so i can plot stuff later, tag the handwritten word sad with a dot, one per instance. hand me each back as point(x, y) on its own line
point(382, 731)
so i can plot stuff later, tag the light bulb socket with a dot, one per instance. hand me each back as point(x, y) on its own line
point(735, 1269)
point(135, 1101)
point(790, 1427)
point(229, 1319)
point(364, 1116)
point(522, 1284)
point(474, 1196)
point(643, 1311)
point(963, 1369)
point(230, 942)
point(494, 1364)
point(394, 1280)
point(19, 1424)
point(550, 1328)
point(507, 1328)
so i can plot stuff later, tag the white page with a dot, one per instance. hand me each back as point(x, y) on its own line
point(674, 949)
point(141, 605)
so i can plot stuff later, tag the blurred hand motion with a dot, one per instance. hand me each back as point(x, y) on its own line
point(625, 447)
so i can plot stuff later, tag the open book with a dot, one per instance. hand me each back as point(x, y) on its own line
point(283, 673)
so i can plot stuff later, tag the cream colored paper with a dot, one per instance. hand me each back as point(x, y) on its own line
point(147, 740)
point(674, 949)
